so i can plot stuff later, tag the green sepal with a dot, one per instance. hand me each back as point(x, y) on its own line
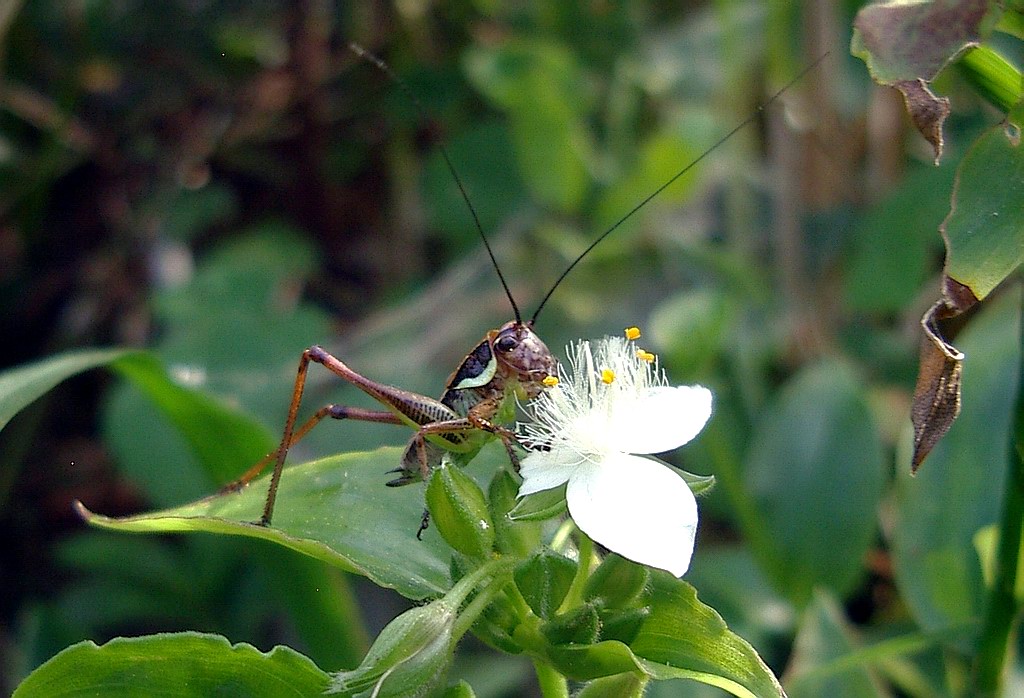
point(698, 484)
point(544, 580)
point(518, 538)
point(459, 510)
point(617, 583)
point(580, 626)
point(540, 506)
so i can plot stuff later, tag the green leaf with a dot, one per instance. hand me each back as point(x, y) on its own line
point(817, 436)
point(680, 638)
point(939, 511)
point(985, 227)
point(23, 385)
point(225, 441)
point(182, 664)
point(336, 510)
point(537, 82)
point(825, 636)
point(684, 638)
point(895, 242)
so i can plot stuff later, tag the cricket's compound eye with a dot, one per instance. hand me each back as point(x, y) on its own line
point(506, 342)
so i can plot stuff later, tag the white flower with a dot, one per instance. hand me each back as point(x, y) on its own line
point(592, 427)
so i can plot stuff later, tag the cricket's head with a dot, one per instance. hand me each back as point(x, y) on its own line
point(518, 348)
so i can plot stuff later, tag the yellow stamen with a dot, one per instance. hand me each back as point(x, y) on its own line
point(607, 375)
point(644, 355)
point(632, 333)
point(550, 381)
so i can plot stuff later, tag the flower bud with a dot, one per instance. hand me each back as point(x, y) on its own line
point(409, 658)
point(459, 510)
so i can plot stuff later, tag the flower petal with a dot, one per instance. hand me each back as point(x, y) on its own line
point(543, 470)
point(637, 508)
point(660, 419)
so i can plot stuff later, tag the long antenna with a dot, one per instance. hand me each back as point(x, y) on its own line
point(386, 69)
point(676, 176)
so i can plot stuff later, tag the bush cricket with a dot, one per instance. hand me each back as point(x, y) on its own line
point(510, 364)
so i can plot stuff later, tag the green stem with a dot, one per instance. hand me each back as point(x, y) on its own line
point(499, 572)
point(574, 597)
point(1000, 623)
point(552, 684)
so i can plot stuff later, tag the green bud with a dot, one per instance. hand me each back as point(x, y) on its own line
point(544, 580)
point(622, 625)
point(518, 538)
point(409, 658)
point(580, 626)
point(617, 583)
point(459, 510)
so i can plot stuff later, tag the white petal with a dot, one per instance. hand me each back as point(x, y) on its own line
point(543, 470)
point(660, 419)
point(637, 508)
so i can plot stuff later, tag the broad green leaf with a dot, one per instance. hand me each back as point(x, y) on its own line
point(225, 441)
point(684, 638)
point(815, 469)
point(680, 638)
point(179, 664)
point(23, 385)
point(537, 83)
point(985, 227)
point(895, 242)
point(825, 636)
point(336, 510)
point(939, 511)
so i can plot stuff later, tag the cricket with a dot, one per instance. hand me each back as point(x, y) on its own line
point(510, 365)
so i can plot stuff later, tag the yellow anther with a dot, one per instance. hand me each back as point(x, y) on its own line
point(607, 375)
point(632, 333)
point(550, 381)
point(644, 355)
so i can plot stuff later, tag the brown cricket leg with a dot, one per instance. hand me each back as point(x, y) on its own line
point(332, 411)
point(290, 435)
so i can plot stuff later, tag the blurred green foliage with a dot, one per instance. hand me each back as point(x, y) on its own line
point(225, 184)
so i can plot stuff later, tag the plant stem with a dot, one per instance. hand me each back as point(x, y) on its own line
point(552, 684)
point(1000, 623)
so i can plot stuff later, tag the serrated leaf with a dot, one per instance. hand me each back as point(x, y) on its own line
point(182, 664)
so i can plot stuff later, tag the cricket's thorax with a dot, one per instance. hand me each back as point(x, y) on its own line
point(511, 362)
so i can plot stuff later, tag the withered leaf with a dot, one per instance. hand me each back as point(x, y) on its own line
point(936, 403)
